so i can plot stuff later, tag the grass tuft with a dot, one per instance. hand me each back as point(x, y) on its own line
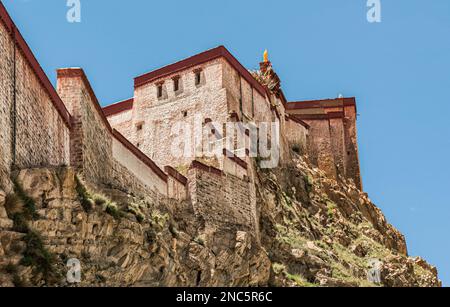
point(86, 202)
point(136, 211)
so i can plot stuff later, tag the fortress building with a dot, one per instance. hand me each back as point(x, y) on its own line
point(215, 85)
point(129, 145)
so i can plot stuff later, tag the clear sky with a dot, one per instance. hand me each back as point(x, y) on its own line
point(398, 69)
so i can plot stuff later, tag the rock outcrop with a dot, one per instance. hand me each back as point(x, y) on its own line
point(313, 231)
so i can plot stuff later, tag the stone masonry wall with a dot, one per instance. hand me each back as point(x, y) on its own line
point(320, 146)
point(122, 122)
point(351, 142)
point(222, 200)
point(136, 168)
point(91, 142)
point(296, 135)
point(41, 134)
point(254, 106)
point(192, 104)
point(96, 152)
point(6, 72)
point(338, 144)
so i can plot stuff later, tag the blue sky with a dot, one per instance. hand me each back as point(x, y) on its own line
point(398, 69)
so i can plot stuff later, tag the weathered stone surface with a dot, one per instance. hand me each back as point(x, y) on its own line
point(2, 198)
point(306, 235)
point(5, 222)
point(325, 232)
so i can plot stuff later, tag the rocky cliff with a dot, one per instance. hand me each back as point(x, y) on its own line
point(312, 231)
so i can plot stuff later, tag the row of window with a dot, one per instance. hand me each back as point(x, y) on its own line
point(176, 83)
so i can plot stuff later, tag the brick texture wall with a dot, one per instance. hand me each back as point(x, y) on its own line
point(97, 152)
point(320, 146)
point(222, 200)
point(6, 85)
point(222, 92)
point(158, 115)
point(296, 135)
point(91, 142)
point(351, 142)
point(35, 130)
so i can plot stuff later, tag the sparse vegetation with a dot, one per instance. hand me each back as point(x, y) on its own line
point(20, 203)
point(278, 268)
point(86, 202)
point(299, 280)
point(159, 219)
point(136, 211)
point(199, 240)
point(113, 210)
point(332, 208)
point(38, 257)
point(99, 200)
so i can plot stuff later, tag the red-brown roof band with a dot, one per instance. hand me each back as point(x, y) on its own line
point(210, 169)
point(235, 158)
point(201, 58)
point(175, 174)
point(327, 116)
point(118, 107)
point(323, 103)
point(37, 69)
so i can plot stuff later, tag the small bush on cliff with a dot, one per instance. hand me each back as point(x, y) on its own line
point(159, 219)
point(20, 208)
point(113, 210)
point(86, 202)
point(99, 200)
point(21, 203)
point(38, 257)
point(332, 208)
point(136, 211)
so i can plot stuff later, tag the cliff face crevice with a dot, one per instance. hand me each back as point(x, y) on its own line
point(313, 231)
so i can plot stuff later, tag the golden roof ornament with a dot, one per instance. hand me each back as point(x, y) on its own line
point(266, 56)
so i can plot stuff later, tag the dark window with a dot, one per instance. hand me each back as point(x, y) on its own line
point(185, 114)
point(160, 91)
point(139, 127)
point(198, 77)
point(176, 84)
point(138, 145)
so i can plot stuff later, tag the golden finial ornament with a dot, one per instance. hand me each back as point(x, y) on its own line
point(266, 56)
